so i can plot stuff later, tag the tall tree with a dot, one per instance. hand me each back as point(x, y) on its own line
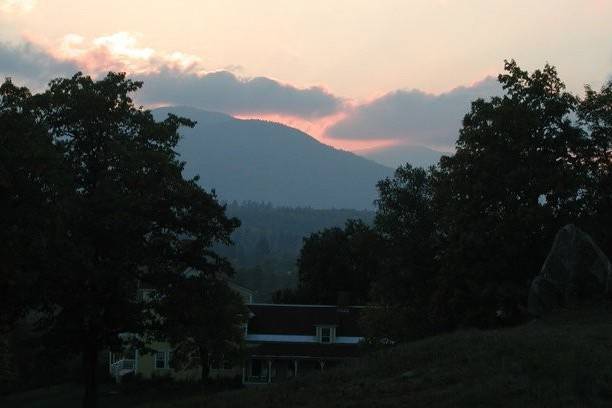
point(595, 115)
point(406, 222)
point(337, 260)
point(516, 177)
point(30, 182)
point(128, 215)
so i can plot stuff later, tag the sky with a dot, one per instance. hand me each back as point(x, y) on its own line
point(355, 74)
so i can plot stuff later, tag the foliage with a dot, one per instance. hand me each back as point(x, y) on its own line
point(406, 222)
point(268, 242)
point(125, 215)
point(461, 242)
point(202, 318)
point(595, 115)
point(30, 181)
point(335, 261)
point(517, 177)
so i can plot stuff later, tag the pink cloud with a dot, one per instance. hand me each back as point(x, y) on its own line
point(17, 6)
point(120, 51)
point(317, 129)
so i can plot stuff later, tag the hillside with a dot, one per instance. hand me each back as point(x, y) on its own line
point(565, 361)
point(268, 162)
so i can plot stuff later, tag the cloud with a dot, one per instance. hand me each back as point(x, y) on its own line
point(171, 78)
point(121, 51)
point(223, 91)
point(17, 6)
point(30, 63)
point(413, 117)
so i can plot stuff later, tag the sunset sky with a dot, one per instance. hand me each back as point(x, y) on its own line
point(355, 74)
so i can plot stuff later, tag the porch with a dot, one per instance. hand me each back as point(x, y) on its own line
point(122, 363)
point(280, 369)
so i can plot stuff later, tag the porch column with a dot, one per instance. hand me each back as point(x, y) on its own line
point(295, 368)
point(269, 371)
point(110, 361)
point(244, 372)
point(136, 355)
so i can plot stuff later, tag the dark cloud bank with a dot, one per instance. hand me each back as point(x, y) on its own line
point(28, 63)
point(224, 92)
point(218, 91)
point(414, 117)
point(411, 117)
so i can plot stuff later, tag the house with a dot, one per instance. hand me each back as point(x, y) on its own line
point(285, 341)
point(159, 361)
point(282, 342)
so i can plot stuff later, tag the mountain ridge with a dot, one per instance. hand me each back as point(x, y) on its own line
point(257, 160)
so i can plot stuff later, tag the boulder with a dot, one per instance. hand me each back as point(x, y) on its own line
point(575, 270)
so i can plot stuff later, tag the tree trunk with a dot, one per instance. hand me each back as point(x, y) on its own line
point(90, 365)
point(205, 363)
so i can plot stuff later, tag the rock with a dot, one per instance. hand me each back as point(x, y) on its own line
point(575, 269)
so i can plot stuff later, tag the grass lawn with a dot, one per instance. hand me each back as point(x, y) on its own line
point(69, 395)
point(562, 361)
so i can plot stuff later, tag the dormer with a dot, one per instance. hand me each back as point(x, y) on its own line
point(326, 334)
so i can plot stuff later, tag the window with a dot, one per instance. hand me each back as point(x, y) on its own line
point(163, 359)
point(160, 359)
point(326, 334)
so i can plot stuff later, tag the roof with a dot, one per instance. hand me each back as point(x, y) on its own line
point(302, 319)
point(305, 350)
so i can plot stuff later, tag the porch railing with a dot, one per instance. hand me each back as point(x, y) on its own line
point(261, 379)
point(122, 367)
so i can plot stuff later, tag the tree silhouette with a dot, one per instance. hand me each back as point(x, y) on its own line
point(127, 216)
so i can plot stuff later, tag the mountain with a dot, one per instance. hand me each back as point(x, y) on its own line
point(255, 160)
point(395, 156)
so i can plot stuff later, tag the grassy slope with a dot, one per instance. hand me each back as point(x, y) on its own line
point(563, 361)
